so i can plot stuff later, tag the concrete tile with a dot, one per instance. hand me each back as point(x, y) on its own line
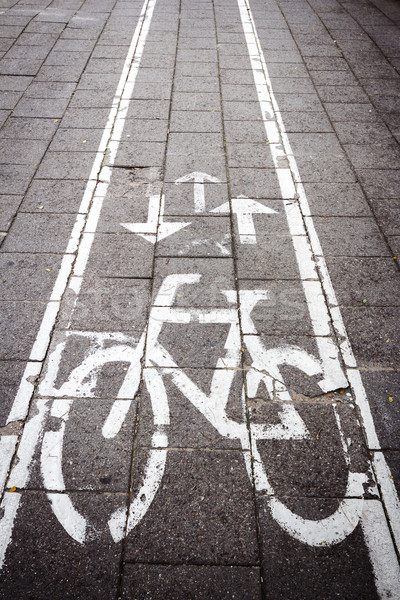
point(95, 565)
point(380, 386)
point(215, 487)
point(27, 128)
point(8, 209)
point(54, 196)
point(19, 323)
point(27, 277)
point(191, 581)
point(41, 233)
point(68, 165)
point(335, 570)
point(125, 255)
point(369, 328)
point(90, 460)
point(336, 199)
point(338, 239)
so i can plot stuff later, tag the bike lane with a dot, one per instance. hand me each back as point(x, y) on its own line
point(232, 236)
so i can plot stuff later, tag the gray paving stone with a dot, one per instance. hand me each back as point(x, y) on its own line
point(73, 567)
point(215, 487)
point(342, 94)
point(8, 208)
point(243, 131)
point(336, 199)
point(271, 258)
point(331, 571)
point(196, 84)
point(205, 69)
point(138, 154)
point(27, 52)
point(394, 242)
point(22, 128)
point(76, 140)
point(27, 277)
point(320, 158)
point(41, 233)
point(53, 108)
point(238, 93)
point(54, 196)
point(362, 133)
point(148, 109)
point(14, 83)
point(15, 179)
point(125, 255)
point(195, 121)
point(8, 100)
point(250, 155)
point(197, 101)
point(91, 461)
point(393, 459)
point(254, 183)
point(362, 113)
point(19, 322)
point(68, 165)
point(380, 183)
point(385, 155)
point(387, 213)
point(238, 111)
point(82, 118)
point(374, 336)
point(70, 73)
point(50, 89)
point(295, 69)
point(187, 582)
point(24, 66)
point(337, 237)
point(20, 152)
point(152, 91)
point(383, 392)
point(145, 130)
point(178, 165)
point(108, 304)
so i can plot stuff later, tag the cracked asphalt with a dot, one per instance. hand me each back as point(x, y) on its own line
point(199, 300)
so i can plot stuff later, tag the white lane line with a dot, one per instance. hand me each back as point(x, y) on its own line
point(289, 180)
point(96, 188)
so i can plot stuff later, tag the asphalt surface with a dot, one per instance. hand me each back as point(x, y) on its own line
point(200, 290)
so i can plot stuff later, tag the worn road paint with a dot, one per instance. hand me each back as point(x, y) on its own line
point(155, 229)
point(95, 192)
point(244, 209)
point(265, 368)
point(290, 183)
point(198, 179)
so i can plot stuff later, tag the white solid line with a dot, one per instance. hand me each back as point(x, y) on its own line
point(306, 264)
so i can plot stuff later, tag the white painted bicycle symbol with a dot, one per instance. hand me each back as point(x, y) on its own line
point(264, 368)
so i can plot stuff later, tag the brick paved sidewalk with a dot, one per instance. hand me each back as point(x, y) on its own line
point(199, 363)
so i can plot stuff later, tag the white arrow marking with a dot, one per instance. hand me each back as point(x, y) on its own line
point(199, 179)
point(148, 230)
point(244, 209)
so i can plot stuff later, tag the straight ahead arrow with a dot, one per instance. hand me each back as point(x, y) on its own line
point(245, 208)
point(155, 229)
point(198, 178)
